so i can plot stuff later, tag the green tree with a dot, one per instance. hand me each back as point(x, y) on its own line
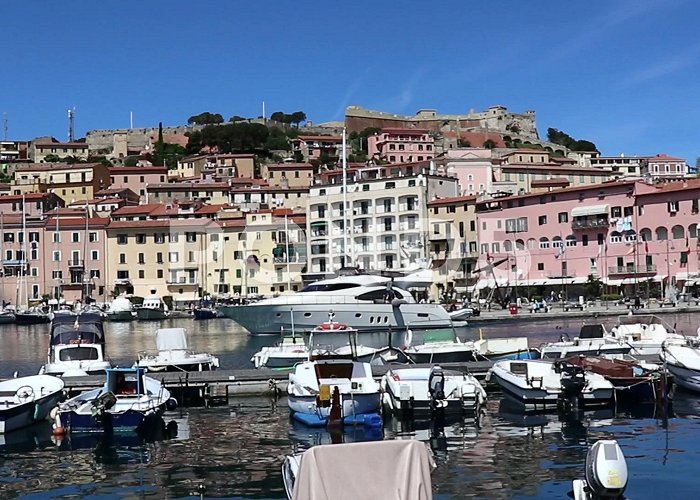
point(489, 144)
point(297, 117)
point(593, 287)
point(277, 140)
point(52, 158)
point(564, 139)
point(205, 118)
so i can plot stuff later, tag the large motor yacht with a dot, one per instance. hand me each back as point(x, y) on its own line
point(367, 302)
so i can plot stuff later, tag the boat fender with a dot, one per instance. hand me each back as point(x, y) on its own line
point(398, 302)
point(171, 404)
point(37, 411)
point(408, 339)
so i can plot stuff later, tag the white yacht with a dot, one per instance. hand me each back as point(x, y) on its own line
point(153, 308)
point(174, 356)
point(367, 302)
point(121, 309)
point(646, 334)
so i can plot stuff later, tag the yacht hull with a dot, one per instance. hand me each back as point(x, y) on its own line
point(31, 319)
point(269, 319)
point(151, 314)
point(119, 316)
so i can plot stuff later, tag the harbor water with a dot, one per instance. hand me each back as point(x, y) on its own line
point(236, 451)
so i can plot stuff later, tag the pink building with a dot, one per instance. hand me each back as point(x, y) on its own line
point(473, 168)
point(137, 178)
point(22, 258)
point(663, 166)
point(76, 258)
point(632, 236)
point(31, 203)
point(311, 147)
point(399, 145)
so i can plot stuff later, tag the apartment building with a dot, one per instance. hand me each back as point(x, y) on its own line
point(294, 175)
point(137, 178)
point(401, 145)
point(221, 166)
point(385, 224)
point(39, 150)
point(30, 203)
point(21, 259)
point(78, 181)
point(665, 167)
point(208, 192)
point(314, 147)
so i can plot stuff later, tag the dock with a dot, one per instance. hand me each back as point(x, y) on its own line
point(217, 386)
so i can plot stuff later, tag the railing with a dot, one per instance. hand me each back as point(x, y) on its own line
point(589, 223)
point(643, 269)
point(122, 281)
point(76, 262)
point(293, 260)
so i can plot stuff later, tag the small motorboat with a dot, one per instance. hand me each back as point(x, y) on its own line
point(31, 316)
point(396, 469)
point(412, 392)
point(634, 380)
point(313, 383)
point(440, 346)
point(505, 348)
point(6, 317)
point(153, 309)
point(206, 311)
point(683, 362)
point(646, 334)
point(173, 355)
point(128, 401)
point(593, 340)
point(541, 385)
point(121, 309)
point(26, 400)
point(76, 345)
point(606, 473)
point(288, 352)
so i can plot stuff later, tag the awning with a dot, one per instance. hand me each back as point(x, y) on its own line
point(489, 283)
point(632, 281)
point(437, 263)
point(589, 210)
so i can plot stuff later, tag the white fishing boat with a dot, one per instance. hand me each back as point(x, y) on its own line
point(593, 340)
point(497, 349)
point(174, 356)
point(26, 400)
point(539, 384)
point(76, 346)
point(683, 362)
point(394, 469)
point(283, 356)
point(121, 309)
point(645, 334)
point(440, 346)
point(312, 384)
point(153, 309)
point(412, 392)
point(128, 401)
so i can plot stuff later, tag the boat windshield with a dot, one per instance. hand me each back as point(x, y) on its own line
point(78, 354)
point(85, 328)
point(328, 287)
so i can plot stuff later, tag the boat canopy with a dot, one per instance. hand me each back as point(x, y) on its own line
point(382, 469)
point(74, 329)
point(171, 339)
point(126, 380)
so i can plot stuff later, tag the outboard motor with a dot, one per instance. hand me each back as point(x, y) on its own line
point(606, 473)
point(573, 381)
point(436, 387)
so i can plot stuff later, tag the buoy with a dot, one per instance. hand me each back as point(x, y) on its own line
point(58, 429)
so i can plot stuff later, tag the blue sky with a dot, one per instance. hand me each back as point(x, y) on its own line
point(623, 73)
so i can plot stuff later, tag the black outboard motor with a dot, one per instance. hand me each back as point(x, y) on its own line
point(606, 473)
point(573, 381)
point(436, 387)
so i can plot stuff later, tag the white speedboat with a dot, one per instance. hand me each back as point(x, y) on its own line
point(6, 316)
point(312, 384)
point(174, 356)
point(288, 352)
point(121, 309)
point(26, 400)
point(153, 309)
point(497, 349)
point(539, 384)
point(76, 346)
point(412, 392)
point(440, 346)
point(645, 334)
point(128, 401)
point(358, 300)
point(394, 469)
point(593, 340)
point(683, 362)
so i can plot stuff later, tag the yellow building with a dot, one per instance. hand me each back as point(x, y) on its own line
point(80, 181)
point(38, 151)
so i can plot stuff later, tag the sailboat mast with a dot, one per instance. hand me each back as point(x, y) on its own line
point(23, 249)
point(86, 282)
point(345, 203)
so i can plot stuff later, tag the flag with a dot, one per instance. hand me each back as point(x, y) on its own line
point(561, 252)
point(646, 247)
point(631, 250)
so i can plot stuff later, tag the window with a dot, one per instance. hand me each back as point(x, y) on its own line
point(140, 239)
point(542, 220)
point(615, 237)
point(92, 237)
point(672, 207)
point(695, 206)
point(122, 258)
point(34, 236)
point(75, 237)
point(191, 237)
point(389, 185)
point(56, 237)
point(237, 254)
point(544, 243)
point(94, 273)
point(628, 211)
point(56, 255)
point(122, 239)
point(173, 257)
point(174, 237)
point(518, 225)
point(190, 256)
point(159, 274)
point(616, 212)
point(239, 274)
point(563, 217)
point(540, 266)
point(95, 255)
point(57, 275)
point(123, 275)
point(142, 274)
point(159, 258)
point(142, 258)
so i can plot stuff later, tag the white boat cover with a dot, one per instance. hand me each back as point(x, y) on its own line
point(171, 339)
point(396, 470)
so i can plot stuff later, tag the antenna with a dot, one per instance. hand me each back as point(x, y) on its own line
point(71, 124)
point(131, 119)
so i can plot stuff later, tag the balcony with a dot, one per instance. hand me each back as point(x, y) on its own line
point(14, 263)
point(632, 270)
point(294, 259)
point(441, 236)
point(76, 263)
point(182, 281)
point(589, 223)
point(122, 282)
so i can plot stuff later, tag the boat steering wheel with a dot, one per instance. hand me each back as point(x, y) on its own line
point(25, 393)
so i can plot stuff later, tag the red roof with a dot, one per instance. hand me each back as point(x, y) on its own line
point(451, 201)
point(406, 131)
point(331, 138)
point(665, 157)
point(10, 198)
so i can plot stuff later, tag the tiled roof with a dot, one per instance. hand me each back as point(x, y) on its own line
point(451, 201)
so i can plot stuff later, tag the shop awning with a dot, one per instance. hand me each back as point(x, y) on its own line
point(589, 210)
point(490, 283)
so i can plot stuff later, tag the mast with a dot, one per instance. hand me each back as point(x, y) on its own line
point(23, 248)
point(286, 239)
point(345, 203)
point(86, 281)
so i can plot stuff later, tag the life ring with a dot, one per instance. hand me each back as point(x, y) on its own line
point(331, 326)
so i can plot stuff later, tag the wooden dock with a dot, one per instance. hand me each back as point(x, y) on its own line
point(212, 387)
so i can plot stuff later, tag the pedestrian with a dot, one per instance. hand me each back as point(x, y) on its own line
point(637, 302)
